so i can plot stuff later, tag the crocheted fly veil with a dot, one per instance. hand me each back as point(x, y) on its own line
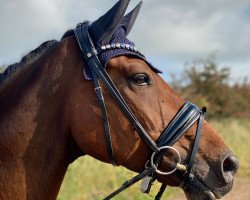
point(109, 34)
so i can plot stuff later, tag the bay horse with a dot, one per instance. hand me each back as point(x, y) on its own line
point(50, 115)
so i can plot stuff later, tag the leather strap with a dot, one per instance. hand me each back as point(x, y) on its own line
point(184, 119)
point(161, 191)
point(100, 98)
point(130, 182)
point(196, 140)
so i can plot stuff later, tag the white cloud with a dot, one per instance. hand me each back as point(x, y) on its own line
point(176, 30)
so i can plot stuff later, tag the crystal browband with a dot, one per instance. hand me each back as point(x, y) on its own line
point(114, 46)
point(120, 46)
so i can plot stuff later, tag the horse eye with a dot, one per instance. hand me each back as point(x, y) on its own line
point(140, 79)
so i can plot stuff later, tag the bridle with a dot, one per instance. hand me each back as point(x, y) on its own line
point(183, 120)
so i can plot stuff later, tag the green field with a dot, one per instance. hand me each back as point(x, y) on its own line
point(236, 135)
point(89, 179)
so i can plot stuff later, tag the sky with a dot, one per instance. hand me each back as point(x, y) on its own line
point(171, 33)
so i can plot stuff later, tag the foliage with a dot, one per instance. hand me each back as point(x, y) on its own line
point(206, 85)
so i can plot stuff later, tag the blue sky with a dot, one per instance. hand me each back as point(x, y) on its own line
point(170, 32)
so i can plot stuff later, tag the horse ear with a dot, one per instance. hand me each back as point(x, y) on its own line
point(129, 20)
point(103, 29)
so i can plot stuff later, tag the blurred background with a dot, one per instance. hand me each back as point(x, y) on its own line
point(202, 48)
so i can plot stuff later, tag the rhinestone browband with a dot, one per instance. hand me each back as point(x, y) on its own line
point(121, 46)
point(114, 46)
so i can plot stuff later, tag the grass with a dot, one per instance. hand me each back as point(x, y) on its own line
point(235, 134)
point(87, 178)
point(90, 179)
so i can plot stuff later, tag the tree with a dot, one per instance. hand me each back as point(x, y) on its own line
point(205, 84)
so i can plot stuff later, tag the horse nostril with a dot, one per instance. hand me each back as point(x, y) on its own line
point(230, 166)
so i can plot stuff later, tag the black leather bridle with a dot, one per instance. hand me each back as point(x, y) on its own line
point(183, 120)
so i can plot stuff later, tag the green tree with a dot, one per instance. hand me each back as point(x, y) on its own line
point(206, 84)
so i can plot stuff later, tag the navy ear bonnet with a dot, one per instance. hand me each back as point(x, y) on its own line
point(109, 33)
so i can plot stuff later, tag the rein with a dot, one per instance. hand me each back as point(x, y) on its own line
point(183, 120)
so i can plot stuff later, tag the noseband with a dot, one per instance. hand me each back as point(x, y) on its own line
point(183, 120)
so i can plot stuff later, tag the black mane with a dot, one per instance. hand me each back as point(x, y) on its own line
point(31, 57)
point(68, 34)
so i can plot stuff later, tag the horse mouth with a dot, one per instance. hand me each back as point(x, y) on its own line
point(198, 190)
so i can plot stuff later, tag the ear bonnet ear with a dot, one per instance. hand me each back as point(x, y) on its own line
point(104, 28)
point(110, 31)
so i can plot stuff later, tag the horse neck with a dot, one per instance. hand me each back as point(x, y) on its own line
point(35, 142)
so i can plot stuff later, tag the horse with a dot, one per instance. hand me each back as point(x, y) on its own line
point(50, 115)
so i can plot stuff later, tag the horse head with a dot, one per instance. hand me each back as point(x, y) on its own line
point(112, 58)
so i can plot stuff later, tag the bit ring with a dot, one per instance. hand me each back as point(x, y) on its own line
point(178, 166)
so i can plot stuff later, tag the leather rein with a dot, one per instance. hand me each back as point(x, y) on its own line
point(183, 120)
